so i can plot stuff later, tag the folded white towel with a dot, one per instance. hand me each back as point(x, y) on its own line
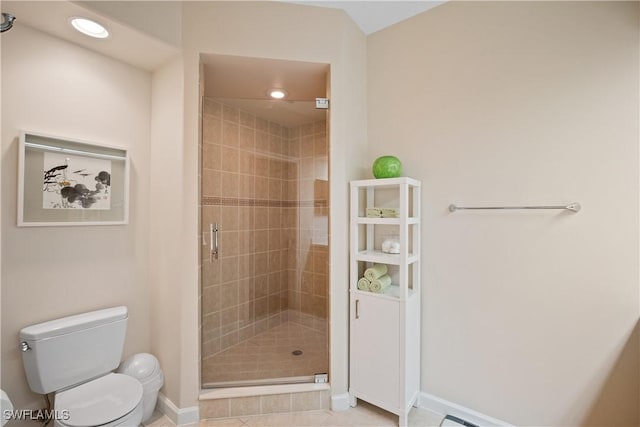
point(363, 284)
point(374, 213)
point(380, 284)
point(376, 271)
point(389, 212)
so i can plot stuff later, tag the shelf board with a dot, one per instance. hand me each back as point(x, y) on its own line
point(386, 182)
point(383, 257)
point(392, 293)
point(384, 221)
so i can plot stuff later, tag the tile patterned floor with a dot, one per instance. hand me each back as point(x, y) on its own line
point(269, 355)
point(363, 415)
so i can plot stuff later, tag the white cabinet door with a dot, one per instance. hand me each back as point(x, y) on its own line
point(375, 348)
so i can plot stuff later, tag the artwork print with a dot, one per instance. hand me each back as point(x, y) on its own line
point(76, 182)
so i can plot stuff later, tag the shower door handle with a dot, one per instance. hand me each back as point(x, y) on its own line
point(213, 242)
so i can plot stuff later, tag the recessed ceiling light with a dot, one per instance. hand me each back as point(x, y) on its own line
point(90, 28)
point(277, 93)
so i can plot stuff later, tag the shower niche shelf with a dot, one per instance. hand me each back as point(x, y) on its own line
point(384, 328)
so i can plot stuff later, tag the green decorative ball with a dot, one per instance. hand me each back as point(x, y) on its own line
point(387, 167)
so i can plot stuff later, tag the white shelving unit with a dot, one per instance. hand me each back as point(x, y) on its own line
point(384, 359)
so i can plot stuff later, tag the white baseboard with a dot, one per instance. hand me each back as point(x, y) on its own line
point(444, 407)
point(179, 416)
point(340, 402)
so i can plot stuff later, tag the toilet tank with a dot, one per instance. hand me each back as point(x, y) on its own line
point(64, 352)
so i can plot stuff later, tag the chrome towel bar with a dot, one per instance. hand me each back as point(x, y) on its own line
point(573, 207)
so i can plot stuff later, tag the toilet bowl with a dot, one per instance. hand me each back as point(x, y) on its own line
point(74, 357)
point(5, 405)
point(111, 400)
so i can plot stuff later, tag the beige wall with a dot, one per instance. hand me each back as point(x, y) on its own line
point(486, 103)
point(270, 30)
point(54, 87)
point(172, 334)
point(527, 316)
point(166, 235)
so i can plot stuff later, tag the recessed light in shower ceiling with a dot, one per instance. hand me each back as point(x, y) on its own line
point(89, 27)
point(277, 93)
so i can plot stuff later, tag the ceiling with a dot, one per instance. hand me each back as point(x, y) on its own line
point(124, 43)
point(134, 46)
point(238, 81)
point(244, 83)
point(228, 76)
point(372, 16)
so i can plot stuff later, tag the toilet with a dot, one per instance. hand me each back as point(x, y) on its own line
point(74, 357)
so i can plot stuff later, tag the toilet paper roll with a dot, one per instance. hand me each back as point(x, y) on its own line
point(5, 405)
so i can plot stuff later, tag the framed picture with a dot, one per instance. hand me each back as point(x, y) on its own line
point(70, 182)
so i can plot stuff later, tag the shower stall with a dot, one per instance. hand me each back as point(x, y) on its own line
point(264, 238)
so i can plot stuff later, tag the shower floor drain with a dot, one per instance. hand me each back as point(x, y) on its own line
point(296, 352)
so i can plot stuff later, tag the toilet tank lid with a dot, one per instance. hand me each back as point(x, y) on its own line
point(73, 323)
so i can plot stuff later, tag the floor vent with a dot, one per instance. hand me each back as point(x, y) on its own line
point(452, 421)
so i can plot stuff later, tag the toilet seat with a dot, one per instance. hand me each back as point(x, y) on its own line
point(111, 400)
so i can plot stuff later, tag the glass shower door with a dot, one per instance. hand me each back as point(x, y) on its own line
point(264, 299)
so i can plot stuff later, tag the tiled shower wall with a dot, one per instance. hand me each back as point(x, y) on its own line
point(308, 254)
point(259, 184)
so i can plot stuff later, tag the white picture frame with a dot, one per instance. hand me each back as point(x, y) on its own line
point(70, 182)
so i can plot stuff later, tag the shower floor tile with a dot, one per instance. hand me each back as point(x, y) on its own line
point(268, 355)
